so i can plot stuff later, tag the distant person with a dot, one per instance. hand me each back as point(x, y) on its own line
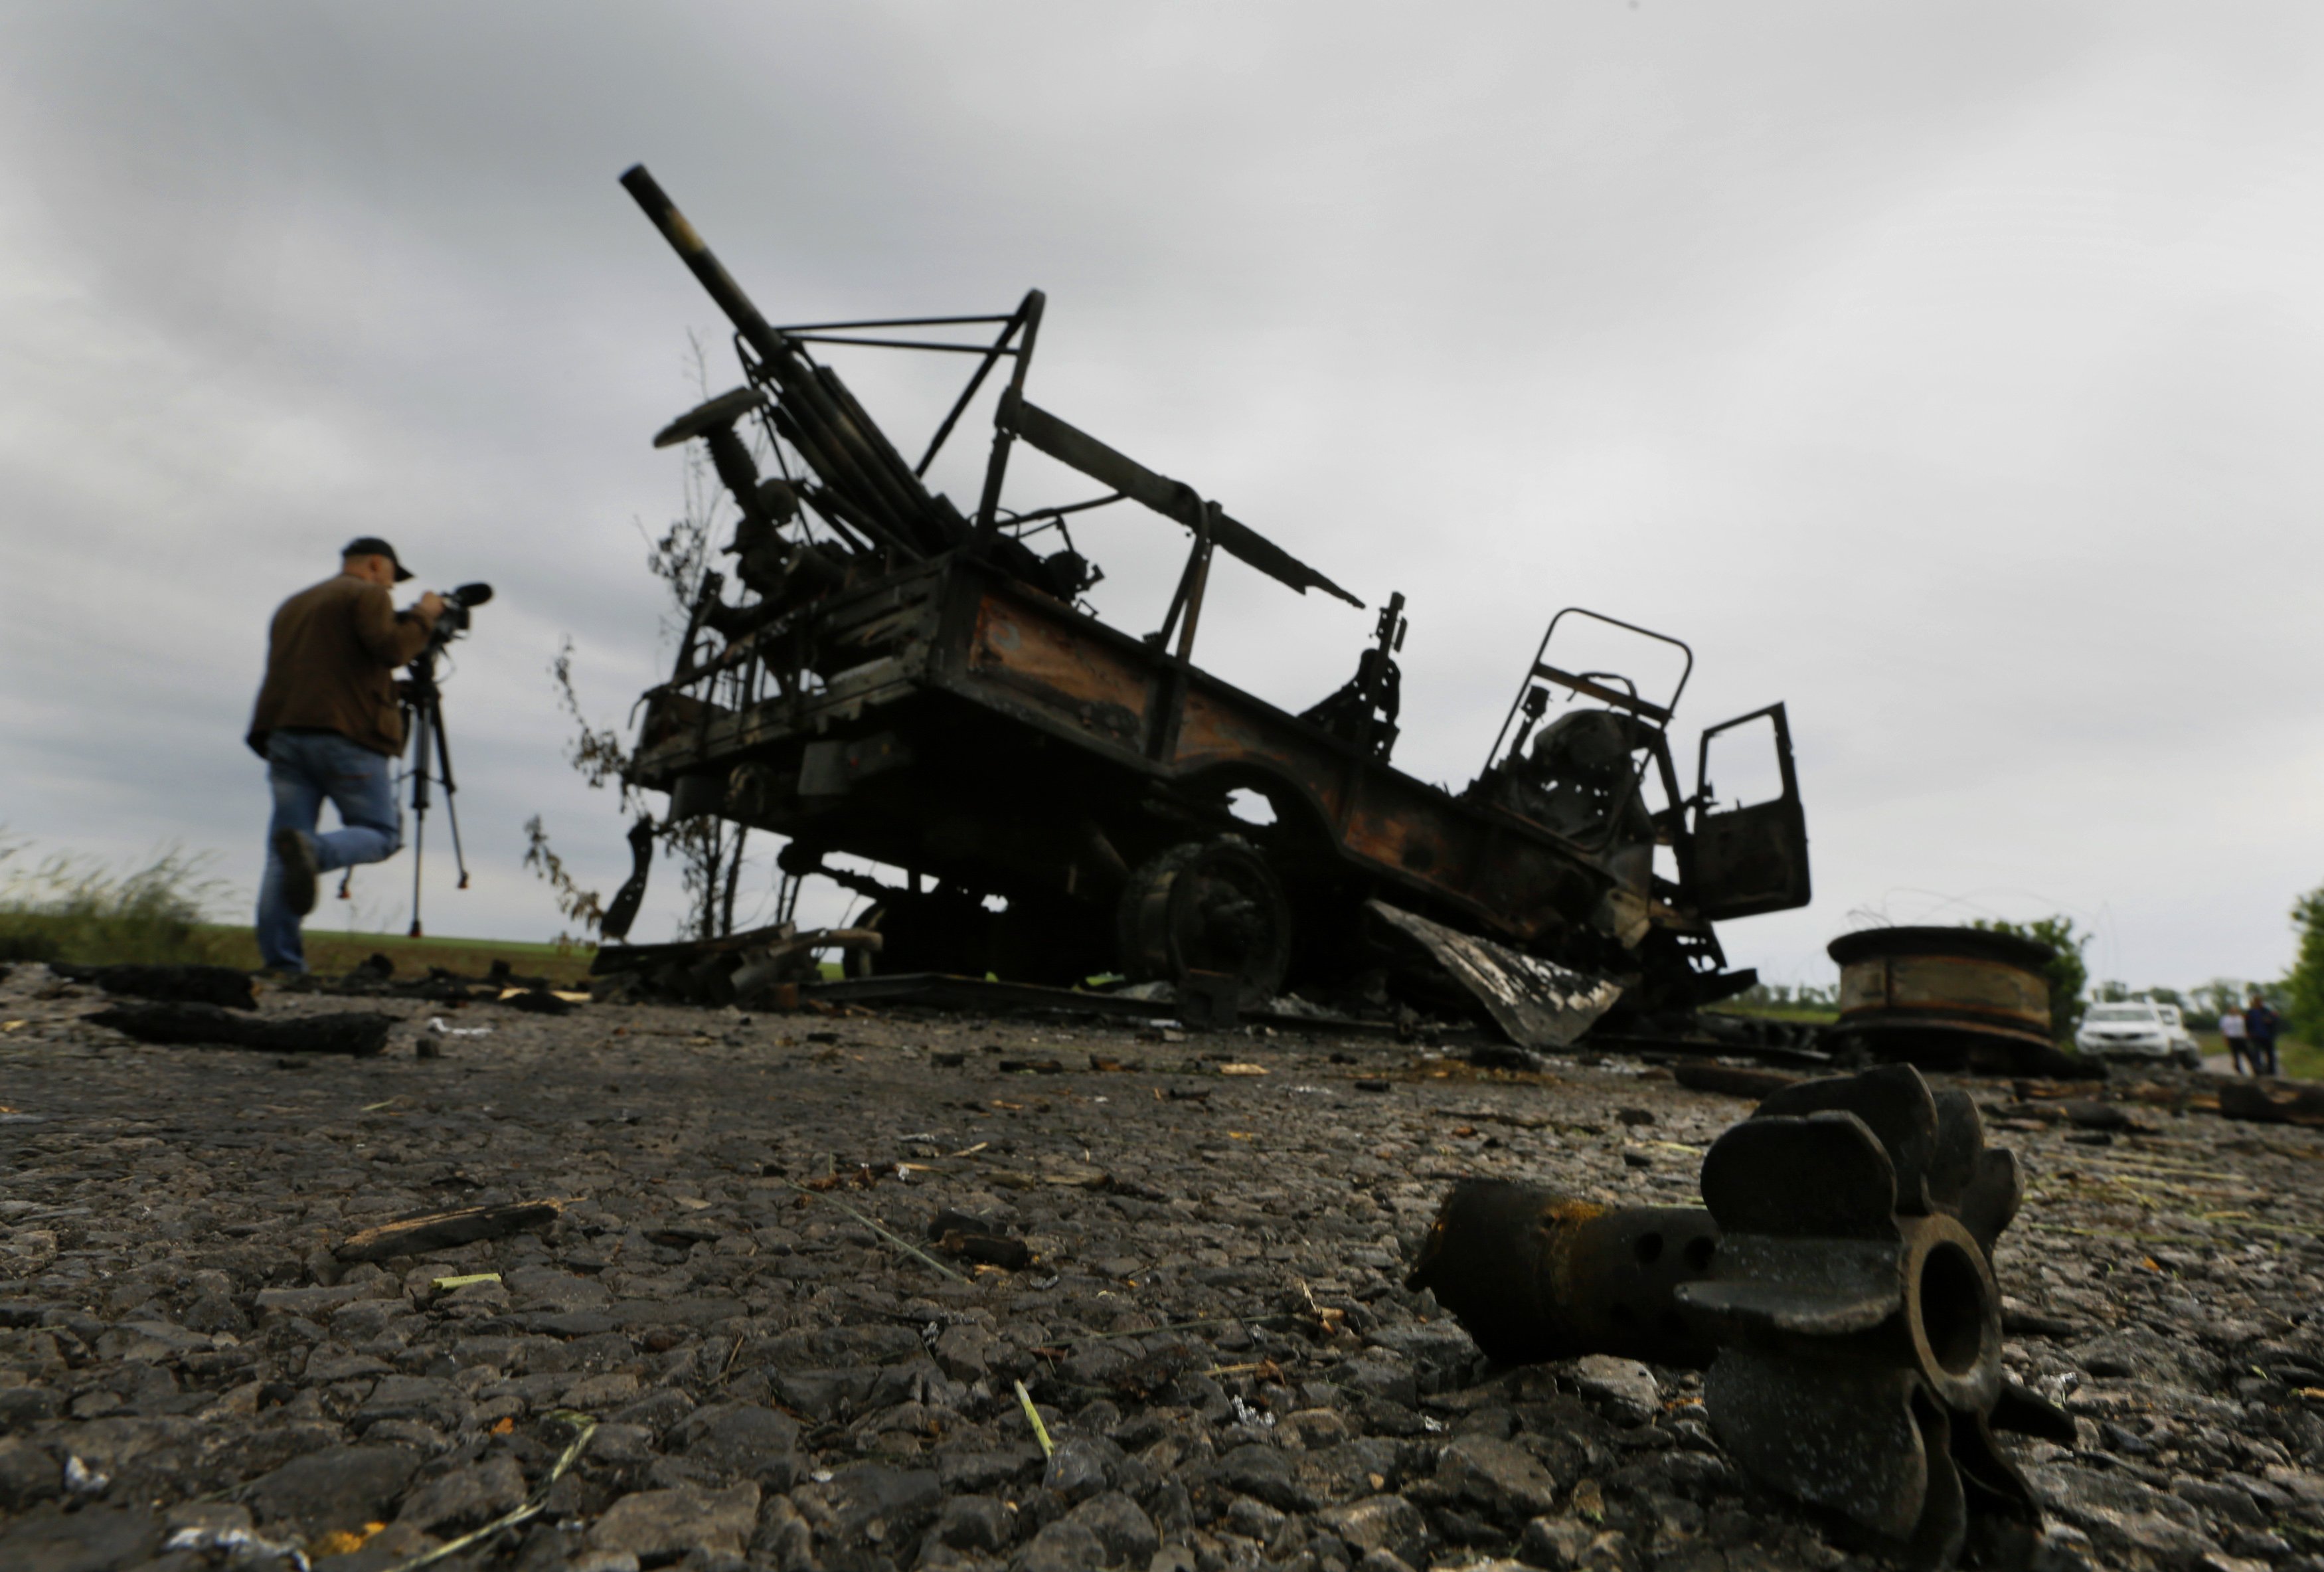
point(326, 723)
point(2231, 1028)
point(2261, 1026)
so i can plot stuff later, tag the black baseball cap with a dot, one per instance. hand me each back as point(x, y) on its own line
point(373, 546)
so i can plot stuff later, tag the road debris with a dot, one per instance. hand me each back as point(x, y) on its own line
point(2272, 1102)
point(1539, 1003)
point(1730, 1080)
point(187, 1025)
point(742, 969)
point(772, 1377)
point(1838, 1284)
point(1950, 998)
point(187, 984)
point(416, 1236)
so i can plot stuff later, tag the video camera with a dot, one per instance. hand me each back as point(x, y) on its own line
point(458, 603)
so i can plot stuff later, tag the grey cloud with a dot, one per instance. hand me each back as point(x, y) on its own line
point(1947, 371)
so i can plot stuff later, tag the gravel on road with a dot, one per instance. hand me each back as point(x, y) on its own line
point(739, 1301)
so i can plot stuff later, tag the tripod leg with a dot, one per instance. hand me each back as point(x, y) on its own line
point(419, 807)
point(444, 773)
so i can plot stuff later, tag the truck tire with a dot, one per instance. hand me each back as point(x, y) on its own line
point(1207, 906)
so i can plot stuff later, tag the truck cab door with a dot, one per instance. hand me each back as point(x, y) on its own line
point(1751, 855)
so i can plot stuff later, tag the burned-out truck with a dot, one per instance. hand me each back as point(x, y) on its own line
point(884, 675)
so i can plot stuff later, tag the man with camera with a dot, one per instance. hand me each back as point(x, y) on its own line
point(326, 723)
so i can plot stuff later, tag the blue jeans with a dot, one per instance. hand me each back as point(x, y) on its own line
point(302, 769)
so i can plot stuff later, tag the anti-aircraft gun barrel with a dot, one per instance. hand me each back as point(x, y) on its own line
point(704, 266)
point(856, 458)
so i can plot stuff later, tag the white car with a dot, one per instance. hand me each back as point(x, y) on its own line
point(2183, 1038)
point(2137, 1030)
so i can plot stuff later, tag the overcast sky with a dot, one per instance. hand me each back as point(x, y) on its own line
point(1951, 371)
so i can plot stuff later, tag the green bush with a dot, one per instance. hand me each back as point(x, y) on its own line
point(69, 908)
point(2067, 973)
point(2303, 990)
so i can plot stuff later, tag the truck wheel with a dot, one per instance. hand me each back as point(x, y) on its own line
point(1207, 906)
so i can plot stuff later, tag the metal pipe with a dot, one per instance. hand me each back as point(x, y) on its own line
point(1536, 1275)
point(988, 507)
point(959, 405)
point(777, 353)
point(1199, 580)
point(895, 322)
point(916, 507)
point(841, 477)
point(799, 337)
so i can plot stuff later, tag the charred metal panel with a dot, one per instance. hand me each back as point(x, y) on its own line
point(1382, 826)
point(831, 769)
point(1514, 883)
point(1539, 1003)
point(1044, 657)
point(1963, 982)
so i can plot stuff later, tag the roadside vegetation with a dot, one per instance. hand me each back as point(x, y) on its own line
point(332, 952)
point(68, 908)
point(75, 908)
point(1806, 1004)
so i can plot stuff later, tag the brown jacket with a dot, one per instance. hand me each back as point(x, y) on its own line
point(330, 660)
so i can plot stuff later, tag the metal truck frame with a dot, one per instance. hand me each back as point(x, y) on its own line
point(904, 683)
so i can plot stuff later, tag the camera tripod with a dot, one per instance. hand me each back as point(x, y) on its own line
point(423, 709)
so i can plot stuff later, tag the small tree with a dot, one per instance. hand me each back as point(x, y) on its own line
point(2066, 973)
point(2217, 997)
point(710, 850)
point(2304, 988)
point(575, 904)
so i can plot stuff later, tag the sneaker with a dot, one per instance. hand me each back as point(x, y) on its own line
point(296, 848)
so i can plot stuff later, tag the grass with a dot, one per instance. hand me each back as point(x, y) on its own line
point(73, 909)
point(1806, 1014)
point(330, 951)
point(2300, 1061)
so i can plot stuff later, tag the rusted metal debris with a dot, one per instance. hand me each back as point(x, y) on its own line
point(1539, 1003)
point(740, 968)
point(358, 1034)
point(885, 674)
point(979, 1240)
point(184, 985)
point(1838, 1284)
point(1950, 999)
point(1732, 1081)
point(2272, 1102)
